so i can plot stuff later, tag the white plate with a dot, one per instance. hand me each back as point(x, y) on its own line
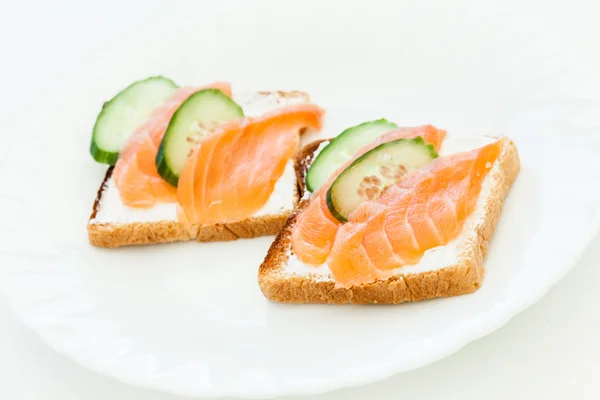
point(190, 319)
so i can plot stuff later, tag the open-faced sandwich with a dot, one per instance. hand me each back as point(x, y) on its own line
point(390, 215)
point(378, 214)
point(196, 163)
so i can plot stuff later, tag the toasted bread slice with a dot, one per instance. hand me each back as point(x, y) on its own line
point(112, 224)
point(280, 280)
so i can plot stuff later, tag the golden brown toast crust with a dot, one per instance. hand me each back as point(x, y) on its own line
point(112, 235)
point(462, 278)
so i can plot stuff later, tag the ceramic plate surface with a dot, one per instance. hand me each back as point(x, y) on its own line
point(189, 318)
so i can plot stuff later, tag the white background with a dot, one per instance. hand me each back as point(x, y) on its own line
point(550, 351)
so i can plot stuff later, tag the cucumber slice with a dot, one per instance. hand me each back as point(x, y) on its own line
point(343, 148)
point(124, 113)
point(196, 118)
point(375, 170)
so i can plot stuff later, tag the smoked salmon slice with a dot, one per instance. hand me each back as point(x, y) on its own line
point(428, 208)
point(315, 230)
point(232, 173)
point(135, 173)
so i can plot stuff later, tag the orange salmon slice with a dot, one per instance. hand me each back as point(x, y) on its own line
point(425, 210)
point(315, 230)
point(232, 173)
point(135, 173)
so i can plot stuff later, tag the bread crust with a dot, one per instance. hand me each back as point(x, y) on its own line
point(113, 235)
point(464, 277)
point(140, 233)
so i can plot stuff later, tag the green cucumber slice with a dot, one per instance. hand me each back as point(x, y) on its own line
point(124, 113)
point(196, 118)
point(375, 170)
point(343, 148)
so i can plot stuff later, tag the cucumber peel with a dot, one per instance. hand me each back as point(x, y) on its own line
point(371, 173)
point(196, 118)
point(124, 113)
point(343, 148)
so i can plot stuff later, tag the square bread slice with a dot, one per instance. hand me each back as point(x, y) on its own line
point(458, 270)
point(112, 224)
